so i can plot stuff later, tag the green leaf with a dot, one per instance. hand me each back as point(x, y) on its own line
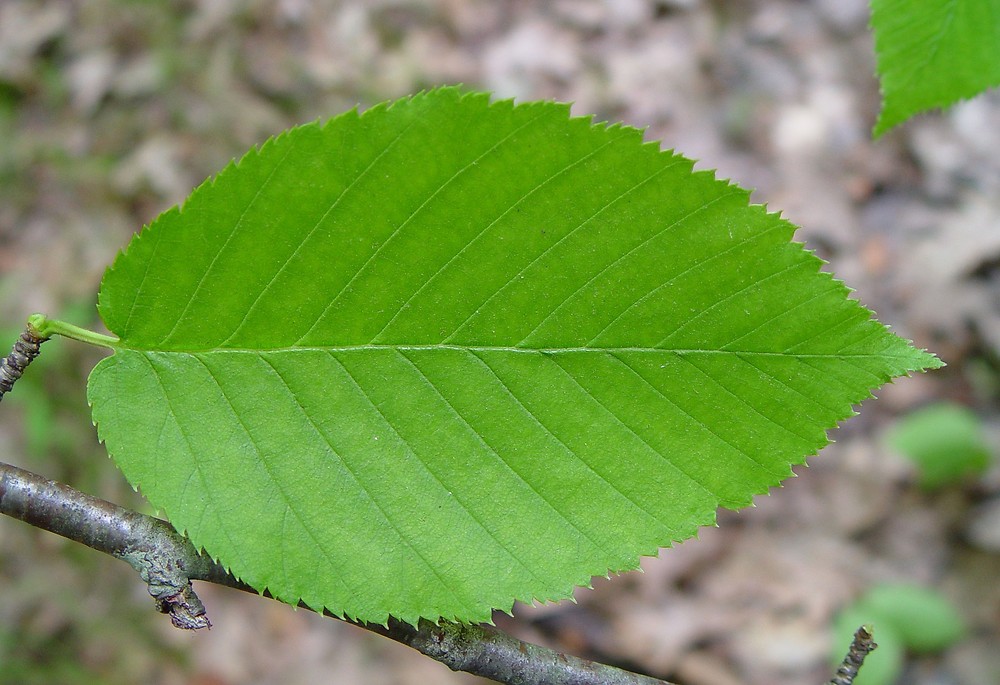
point(446, 354)
point(933, 53)
point(923, 618)
point(945, 440)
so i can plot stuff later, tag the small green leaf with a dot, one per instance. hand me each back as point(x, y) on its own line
point(924, 619)
point(946, 441)
point(447, 354)
point(933, 53)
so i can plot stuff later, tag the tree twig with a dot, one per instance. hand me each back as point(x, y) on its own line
point(861, 646)
point(25, 349)
point(168, 562)
point(165, 560)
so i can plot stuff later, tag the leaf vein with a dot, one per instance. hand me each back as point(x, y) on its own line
point(559, 242)
point(137, 293)
point(458, 498)
point(850, 317)
point(262, 459)
point(312, 231)
point(691, 416)
point(828, 376)
point(538, 422)
point(786, 384)
point(414, 548)
point(742, 400)
point(229, 239)
point(195, 461)
point(916, 66)
point(732, 296)
point(399, 229)
point(692, 267)
point(619, 421)
point(539, 350)
point(781, 314)
point(490, 225)
point(496, 452)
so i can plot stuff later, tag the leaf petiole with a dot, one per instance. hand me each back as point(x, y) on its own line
point(46, 328)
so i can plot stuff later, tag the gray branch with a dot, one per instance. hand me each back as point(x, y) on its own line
point(168, 562)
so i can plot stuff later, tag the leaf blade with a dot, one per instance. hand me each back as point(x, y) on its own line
point(932, 54)
point(505, 365)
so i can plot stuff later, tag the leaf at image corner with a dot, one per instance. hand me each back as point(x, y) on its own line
point(451, 353)
point(933, 53)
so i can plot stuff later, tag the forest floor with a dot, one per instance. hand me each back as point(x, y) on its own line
point(112, 111)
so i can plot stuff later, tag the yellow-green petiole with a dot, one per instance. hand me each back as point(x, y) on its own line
point(46, 328)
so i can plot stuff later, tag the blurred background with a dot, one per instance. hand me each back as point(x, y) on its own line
point(113, 110)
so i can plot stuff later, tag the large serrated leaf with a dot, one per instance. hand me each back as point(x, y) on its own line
point(446, 354)
point(933, 53)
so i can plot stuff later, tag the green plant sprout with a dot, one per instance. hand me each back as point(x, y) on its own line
point(908, 618)
point(946, 442)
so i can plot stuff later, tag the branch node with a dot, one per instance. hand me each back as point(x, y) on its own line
point(170, 586)
point(184, 608)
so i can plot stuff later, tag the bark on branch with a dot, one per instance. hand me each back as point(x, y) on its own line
point(168, 562)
